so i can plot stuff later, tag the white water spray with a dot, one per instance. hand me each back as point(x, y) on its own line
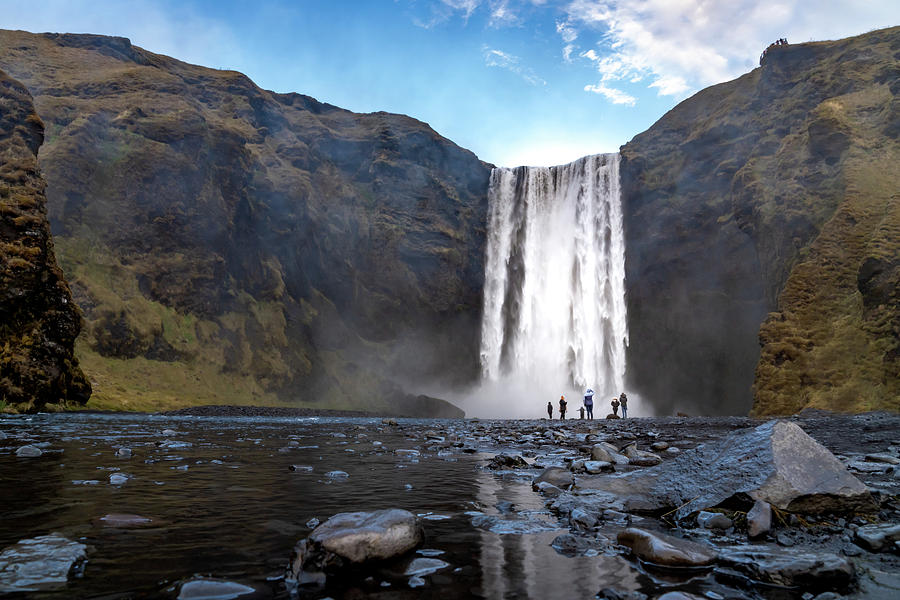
point(554, 298)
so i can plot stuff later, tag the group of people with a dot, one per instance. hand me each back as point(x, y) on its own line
point(588, 408)
point(778, 42)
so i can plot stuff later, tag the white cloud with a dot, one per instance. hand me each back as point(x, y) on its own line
point(568, 33)
point(466, 6)
point(612, 94)
point(683, 45)
point(502, 15)
point(498, 58)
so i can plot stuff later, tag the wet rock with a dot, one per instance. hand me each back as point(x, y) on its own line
point(415, 582)
point(659, 446)
point(337, 475)
point(168, 432)
point(809, 571)
point(40, 563)
point(507, 461)
point(556, 476)
point(679, 595)
point(123, 453)
point(605, 452)
point(118, 478)
point(710, 520)
point(776, 462)
point(548, 489)
point(595, 467)
point(359, 537)
point(568, 544)
point(582, 519)
point(29, 451)
point(614, 594)
point(390, 422)
point(759, 519)
point(203, 588)
point(424, 566)
point(640, 458)
point(878, 538)
point(882, 458)
point(662, 549)
point(301, 468)
point(124, 521)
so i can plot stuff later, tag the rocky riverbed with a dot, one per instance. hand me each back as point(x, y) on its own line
point(262, 507)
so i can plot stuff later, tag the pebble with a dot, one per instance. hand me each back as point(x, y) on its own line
point(711, 520)
point(337, 475)
point(203, 588)
point(118, 479)
point(123, 453)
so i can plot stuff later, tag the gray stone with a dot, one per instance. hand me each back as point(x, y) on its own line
point(606, 452)
point(548, 489)
point(582, 519)
point(29, 451)
point(568, 544)
point(877, 538)
point(123, 453)
point(118, 478)
point(337, 475)
point(659, 446)
point(205, 588)
point(595, 467)
point(759, 519)
point(776, 462)
point(809, 571)
point(424, 566)
point(640, 458)
point(883, 458)
point(711, 520)
point(124, 521)
point(679, 595)
point(561, 478)
point(614, 594)
point(508, 461)
point(661, 549)
point(40, 563)
point(363, 536)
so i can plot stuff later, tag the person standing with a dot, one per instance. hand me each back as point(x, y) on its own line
point(562, 408)
point(623, 400)
point(550, 410)
point(615, 406)
point(589, 403)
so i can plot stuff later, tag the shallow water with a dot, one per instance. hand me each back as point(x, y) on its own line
point(224, 503)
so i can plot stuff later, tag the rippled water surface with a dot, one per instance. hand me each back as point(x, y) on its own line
point(223, 502)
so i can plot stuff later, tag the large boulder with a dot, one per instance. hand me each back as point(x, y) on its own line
point(776, 463)
point(354, 538)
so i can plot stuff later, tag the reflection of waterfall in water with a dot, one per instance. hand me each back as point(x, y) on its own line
point(554, 297)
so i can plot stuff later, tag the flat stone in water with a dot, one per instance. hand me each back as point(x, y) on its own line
point(124, 521)
point(662, 549)
point(213, 589)
point(425, 566)
point(337, 475)
point(40, 563)
point(362, 536)
point(29, 451)
point(807, 570)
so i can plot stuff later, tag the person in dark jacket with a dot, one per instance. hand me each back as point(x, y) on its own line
point(589, 403)
point(549, 410)
point(562, 408)
point(615, 406)
point(623, 400)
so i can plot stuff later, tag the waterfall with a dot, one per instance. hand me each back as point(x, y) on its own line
point(554, 296)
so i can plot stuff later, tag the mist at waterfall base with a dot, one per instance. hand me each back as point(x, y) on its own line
point(554, 320)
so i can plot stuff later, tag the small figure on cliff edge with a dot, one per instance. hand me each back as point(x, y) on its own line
point(623, 400)
point(549, 410)
point(589, 403)
point(562, 408)
point(615, 406)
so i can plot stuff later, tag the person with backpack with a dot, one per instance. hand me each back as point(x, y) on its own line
point(562, 408)
point(615, 406)
point(550, 410)
point(623, 400)
point(589, 403)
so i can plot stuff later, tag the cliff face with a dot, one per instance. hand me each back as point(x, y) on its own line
point(38, 319)
point(774, 193)
point(230, 244)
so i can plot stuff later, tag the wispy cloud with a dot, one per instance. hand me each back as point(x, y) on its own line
point(679, 46)
point(503, 60)
point(612, 94)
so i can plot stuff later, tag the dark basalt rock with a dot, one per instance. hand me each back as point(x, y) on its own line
point(38, 318)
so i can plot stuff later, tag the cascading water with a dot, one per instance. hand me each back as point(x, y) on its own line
point(554, 298)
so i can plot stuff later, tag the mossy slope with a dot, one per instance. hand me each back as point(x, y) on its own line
point(38, 319)
point(276, 248)
point(773, 193)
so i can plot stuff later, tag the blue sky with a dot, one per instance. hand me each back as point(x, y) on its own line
point(534, 82)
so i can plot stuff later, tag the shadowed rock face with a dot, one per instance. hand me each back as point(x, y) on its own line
point(231, 245)
point(773, 193)
point(38, 319)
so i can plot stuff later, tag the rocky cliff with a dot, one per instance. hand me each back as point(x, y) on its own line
point(764, 213)
point(38, 319)
point(228, 244)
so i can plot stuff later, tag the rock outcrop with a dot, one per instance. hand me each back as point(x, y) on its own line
point(38, 318)
point(773, 194)
point(776, 463)
point(233, 245)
